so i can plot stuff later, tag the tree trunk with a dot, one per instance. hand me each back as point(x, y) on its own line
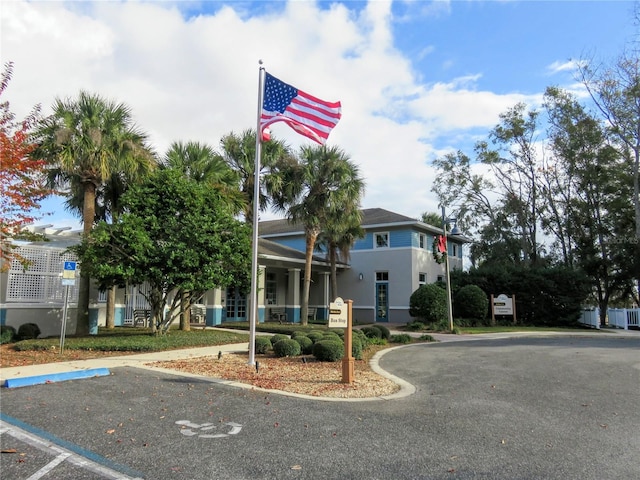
point(111, 308)
point(88, 217)
point(304, 308)
point(185, 315)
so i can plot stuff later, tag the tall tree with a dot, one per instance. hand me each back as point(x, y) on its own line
point(615, 91)
point(86, 140)
point(201, 164)
point(239, 151)
point(22, 183)
point(176, 234)
point(312, 192)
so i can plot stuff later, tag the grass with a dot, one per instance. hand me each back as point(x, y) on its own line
point(128, 339)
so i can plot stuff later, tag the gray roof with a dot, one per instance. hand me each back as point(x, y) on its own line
point(371, 217)
point(267, 248)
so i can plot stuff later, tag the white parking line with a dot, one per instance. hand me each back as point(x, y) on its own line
point(61, 455)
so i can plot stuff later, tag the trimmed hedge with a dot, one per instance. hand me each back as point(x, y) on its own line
point(287, 348)
point(315, 336)
point(28, 331)
point(328, 350)
point(471, 302)
point(306, 344)
point(263, 344)
point(401, 338)
point(277, 337)
point(371, 332)
point(429, 303)
point(7, 334)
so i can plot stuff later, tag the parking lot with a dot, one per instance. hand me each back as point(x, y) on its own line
point(554, 407)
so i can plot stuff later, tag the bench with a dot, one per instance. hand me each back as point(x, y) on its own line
point(141, 318)
point(311, 313)
point(278, 314)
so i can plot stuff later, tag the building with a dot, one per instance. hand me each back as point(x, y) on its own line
point(385, 267)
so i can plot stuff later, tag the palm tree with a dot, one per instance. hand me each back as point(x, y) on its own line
point(200, 163)
point(86, 141)
point(239, 151)
point(314, 192)
point(338, 237)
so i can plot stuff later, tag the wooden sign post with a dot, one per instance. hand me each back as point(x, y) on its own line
point(340, 317)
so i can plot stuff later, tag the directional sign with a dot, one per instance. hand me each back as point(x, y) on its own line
point(338, 314)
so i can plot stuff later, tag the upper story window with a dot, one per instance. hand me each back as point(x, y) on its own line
point(381, 240)
point(423, 240)
point(454, 250)
point(422, 279)
point(382, 276)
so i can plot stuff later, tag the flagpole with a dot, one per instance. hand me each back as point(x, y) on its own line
point(253, 304)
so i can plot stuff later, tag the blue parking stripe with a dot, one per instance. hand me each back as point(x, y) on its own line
point(55, 377)
point(72, 447)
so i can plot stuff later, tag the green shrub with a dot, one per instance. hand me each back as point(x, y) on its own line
point(332, 336)
point(386, 334)
point(356, 332)
point(306, 344)
point(287, 348)
point(356, 347)
point(315, 335)
point(263, 344)
point(429, 303)
point(415, 326)
point(328, 350)
point(401, 338)
point(427, 338)
point(471, 302)
point(376, 341)
point(7, 334)
point(372, 332)
point(277, 337)
point(299, 333)
point(28, 331)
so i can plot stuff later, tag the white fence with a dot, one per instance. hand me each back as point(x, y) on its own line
point(616, 317)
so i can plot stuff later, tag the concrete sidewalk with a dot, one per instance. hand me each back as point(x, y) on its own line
point(135, 360)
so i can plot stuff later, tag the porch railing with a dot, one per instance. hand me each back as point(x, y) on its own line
point(616, 317)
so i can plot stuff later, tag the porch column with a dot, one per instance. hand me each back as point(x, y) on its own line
point(262, 276)
point(293, 295)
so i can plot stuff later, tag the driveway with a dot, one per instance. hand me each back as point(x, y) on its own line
point(560, 407)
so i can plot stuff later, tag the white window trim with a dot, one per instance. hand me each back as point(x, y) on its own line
point(375, 239)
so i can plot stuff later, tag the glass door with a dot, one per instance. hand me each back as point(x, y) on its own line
point(382, 296)
point(236, 305)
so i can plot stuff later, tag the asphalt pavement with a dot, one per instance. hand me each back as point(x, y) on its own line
point(492, 407)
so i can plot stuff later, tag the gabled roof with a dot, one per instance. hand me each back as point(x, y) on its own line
point(371, 218)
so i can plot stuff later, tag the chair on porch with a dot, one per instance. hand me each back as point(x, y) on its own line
point(278, 314)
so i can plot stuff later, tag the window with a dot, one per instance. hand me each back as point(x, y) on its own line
point(454, 250)
point(382, 276)
point(422, 279)
point(423, 240)
point(440, 278)
point(102, 296)
point(381, 240)
point(271, 289)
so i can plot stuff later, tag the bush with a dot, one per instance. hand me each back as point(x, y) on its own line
point(7, 334)
point(356, 347)
point(263, 344)
point(401, 338)
point(415, 326)
point(427, 338)
point(332, 336)
point(386, 334)
point(315, 335)
point(28, 331)
point(328, 350)
point(287, 348)
point(277, 337)
point(372, 332)
point(471, 302)
point(306, 344)
point(429, 303)
point(356, 332)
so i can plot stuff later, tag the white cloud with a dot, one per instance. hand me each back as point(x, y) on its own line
point(197, 78)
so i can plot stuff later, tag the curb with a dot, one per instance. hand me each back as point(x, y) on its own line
point(55, 377)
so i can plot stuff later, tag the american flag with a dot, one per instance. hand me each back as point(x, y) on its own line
point(306, 114)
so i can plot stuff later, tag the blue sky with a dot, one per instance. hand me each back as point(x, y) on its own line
point(416, 79)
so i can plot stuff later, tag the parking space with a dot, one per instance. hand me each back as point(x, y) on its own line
point(503, 408)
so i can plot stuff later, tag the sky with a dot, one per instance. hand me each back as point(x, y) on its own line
point(416, 79)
